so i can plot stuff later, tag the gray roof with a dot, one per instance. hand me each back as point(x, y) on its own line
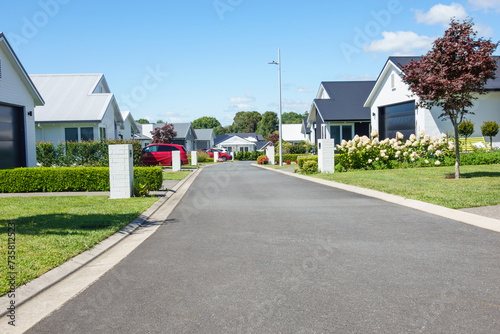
point(221, 138)
point(261, 144)
point(204, 134)
point(346, 100)
point(247, 135)
point(71, 98)
point(182, 130)
point(492, 84)
point(305, 126)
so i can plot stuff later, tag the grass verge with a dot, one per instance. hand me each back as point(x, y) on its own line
point(51, 230)
point(180, 175)
point(479, 185)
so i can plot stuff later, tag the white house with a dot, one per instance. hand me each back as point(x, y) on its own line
point(393, 107)
point(18, 99)
point(128, 129)
point(77, 107)
point(245, 142)
point(292, 133)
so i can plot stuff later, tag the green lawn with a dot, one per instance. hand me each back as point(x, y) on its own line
point(176, 175)
point(479, 185)
point(51, 230)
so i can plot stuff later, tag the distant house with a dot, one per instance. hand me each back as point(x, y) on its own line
point(78, 107)
point(186, 135)
point(128, 129)
point(338, 111)
point(305, 130)
point(18, 99)
point(205, 138)
point(244, 142)
point(393, 108)
point(292, 133)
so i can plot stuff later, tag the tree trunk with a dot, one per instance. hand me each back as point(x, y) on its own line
point(457, 151)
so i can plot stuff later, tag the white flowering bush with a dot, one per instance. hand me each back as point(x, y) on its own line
point(372, 153)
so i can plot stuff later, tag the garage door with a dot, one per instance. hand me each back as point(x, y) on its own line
point(12, 144)
point(397, 118)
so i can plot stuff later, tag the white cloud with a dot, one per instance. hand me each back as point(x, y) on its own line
point(486, 4)
point(291, 105)
point(304, 90)
point(484, 30)
point(244, 107)
point(441, 14)
point(246, 99)
point(400, 43)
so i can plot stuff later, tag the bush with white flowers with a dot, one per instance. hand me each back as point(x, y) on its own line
point(372, 153)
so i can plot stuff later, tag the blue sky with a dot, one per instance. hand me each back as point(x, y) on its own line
point(178, 60)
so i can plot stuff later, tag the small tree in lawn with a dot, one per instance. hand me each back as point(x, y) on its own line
point(452, 74)
point(466, 129)
point(490, 129)
point(164, 135)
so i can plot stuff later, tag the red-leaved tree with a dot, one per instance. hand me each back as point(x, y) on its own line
point(164, 135)
point(452, 74)
point(274, 137)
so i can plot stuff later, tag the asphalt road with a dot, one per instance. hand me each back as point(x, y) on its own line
point(253, 251)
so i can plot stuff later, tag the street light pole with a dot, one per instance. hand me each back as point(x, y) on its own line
point(279, 118)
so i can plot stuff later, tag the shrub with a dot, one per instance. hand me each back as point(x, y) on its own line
point(263, 160)
point(288, 162)
point(285, 157)
point(209, 160)
point(490, 129)
point(301, 161)
point(296, 169)
point(466, 129)
point(46, 179)
point(202, 156)
point(310, 167)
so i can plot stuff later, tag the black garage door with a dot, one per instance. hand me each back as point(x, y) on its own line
point(12, 143)
point(397, 118)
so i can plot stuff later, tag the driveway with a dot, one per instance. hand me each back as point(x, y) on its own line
point(252, 251)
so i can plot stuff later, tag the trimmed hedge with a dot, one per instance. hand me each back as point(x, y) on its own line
point(301, 161)
point(46, 179)
point(285, 157)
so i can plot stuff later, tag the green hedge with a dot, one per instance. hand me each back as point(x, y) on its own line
point(290, 157)
point(301, 161)
point(21, 180)
point(86, 154)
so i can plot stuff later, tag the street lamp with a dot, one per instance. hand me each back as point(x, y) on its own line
point(279, 83)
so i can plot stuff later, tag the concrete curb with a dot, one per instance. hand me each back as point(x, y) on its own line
point(55, 275)
point(461, 216)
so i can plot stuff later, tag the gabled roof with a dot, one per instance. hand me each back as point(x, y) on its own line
point(248, 135)
point(305, 126)
point(204, 134)
point(133, 124)
point(182, 130)
point(233, 139)
point(262, 144)
point(18, 67)
point(345, 102)
point(71, 98)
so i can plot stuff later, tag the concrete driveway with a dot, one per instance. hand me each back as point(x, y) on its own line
point(251, 251)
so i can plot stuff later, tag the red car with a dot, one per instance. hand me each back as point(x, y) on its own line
point(222, 155)
point(161, 154)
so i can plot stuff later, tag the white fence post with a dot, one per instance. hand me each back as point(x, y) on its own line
point(194, 158)
point(216, 156)
point(270, 154)
point(326, 155)
point(121, 171)
point(176, 161)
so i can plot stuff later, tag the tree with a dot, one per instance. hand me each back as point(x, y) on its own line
point(143, 121)
point(274, 137)
point(206, 122)
point(466, 129)
point(452, 74)
point(490, 129)
point(164, 135)
point(246, 121)
point(160, 121)
point(268, 124)
point(292, 117)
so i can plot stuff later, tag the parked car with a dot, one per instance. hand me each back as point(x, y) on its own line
point(222, 155)
point(161, 154)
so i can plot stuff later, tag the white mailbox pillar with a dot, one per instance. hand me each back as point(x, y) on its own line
point(270, 154)
point(216, 156)
point(194, 158)
point(121, 171)
point(232, 155)
point(176, 161)
point(326, 155)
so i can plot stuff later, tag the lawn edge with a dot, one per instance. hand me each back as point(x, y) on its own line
point(457, 215)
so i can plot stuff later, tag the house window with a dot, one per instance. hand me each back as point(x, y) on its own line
point(102, 133)
point(341, 132)
point(71, 134)
point(87, 134)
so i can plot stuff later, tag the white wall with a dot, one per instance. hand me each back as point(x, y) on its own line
point(13, 91)
point(55, 132)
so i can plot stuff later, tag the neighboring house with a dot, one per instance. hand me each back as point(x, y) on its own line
point(393, 108)
point(18, 98)
point(128, 129)
point(305, 130)
point(338, 111)
point(292, 133)
point(186, 135)
point(78, 107)
point(205, 138)
point(245, 142)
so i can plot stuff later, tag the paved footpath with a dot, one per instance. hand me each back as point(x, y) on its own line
point(252, 251)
